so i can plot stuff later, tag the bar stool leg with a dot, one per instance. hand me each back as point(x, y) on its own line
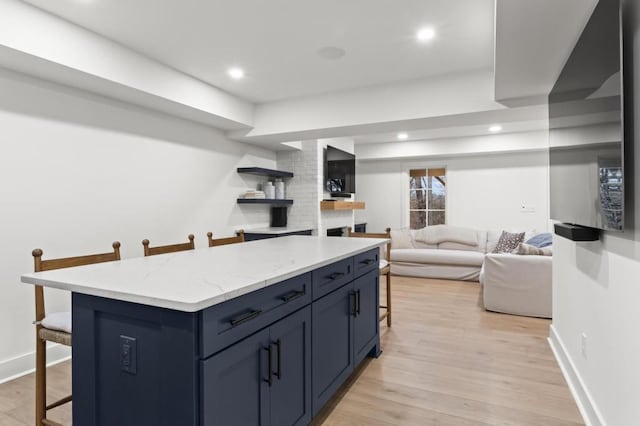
point(41, 380)
point(389, 299)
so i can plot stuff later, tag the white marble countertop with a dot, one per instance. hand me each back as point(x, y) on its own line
point(196, 279)
point(277, 230)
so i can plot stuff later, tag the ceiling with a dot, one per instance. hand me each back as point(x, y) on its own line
point(276, 42)
point(457, 131)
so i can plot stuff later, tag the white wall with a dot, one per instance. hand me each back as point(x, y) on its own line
point(596, 289)
point(483, 191)
point(78, 171)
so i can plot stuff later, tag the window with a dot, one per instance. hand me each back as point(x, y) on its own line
point(427, 196)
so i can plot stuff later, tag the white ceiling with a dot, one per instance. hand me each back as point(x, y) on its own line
point(454, 132)
point(276, 41)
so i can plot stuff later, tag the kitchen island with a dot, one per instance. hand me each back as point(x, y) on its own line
point(259, 333)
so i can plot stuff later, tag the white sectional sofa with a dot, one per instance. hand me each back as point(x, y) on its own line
point(412, 256)
point(512, 283)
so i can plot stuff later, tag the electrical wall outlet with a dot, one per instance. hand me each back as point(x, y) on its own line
point(128, 354)
point(583, 345)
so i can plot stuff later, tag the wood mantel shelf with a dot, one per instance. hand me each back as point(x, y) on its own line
point(341, 205)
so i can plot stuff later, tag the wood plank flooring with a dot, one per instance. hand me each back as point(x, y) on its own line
point(446, 361)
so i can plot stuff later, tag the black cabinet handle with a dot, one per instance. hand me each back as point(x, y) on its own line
point(367, 261)
point(335, 275)
point(292, 296)
point(357, 303)
point(269, 378)
point(353, 302)
point(279, 353)
point(244, 317)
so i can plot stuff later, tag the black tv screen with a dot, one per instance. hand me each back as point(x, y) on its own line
point(586, 165)
point(339, 172)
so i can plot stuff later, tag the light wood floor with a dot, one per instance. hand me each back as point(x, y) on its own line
point(445, 362)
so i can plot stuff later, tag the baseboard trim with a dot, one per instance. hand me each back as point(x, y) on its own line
point(586, 405)
point(24, 364)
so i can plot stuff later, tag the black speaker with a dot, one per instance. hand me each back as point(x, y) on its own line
point(576, 232)
point(278, 217)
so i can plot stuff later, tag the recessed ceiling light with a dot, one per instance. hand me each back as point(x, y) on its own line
point(495, 128)
point(425, 34)
point(402, 136)
point(236, 73)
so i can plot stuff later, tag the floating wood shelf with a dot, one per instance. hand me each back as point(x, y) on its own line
point(260, 171)
point(341, 205)
point(265, 201)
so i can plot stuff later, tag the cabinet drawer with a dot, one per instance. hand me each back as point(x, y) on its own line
point(331, 277)
point(365, 262)
point(228, 322)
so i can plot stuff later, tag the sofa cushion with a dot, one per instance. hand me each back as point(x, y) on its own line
point(438, 256)
point(508, 242)
point(481, 246)
point(494, 235)
point(401, 239)
point(437, 234)
point(418, 244)
point(541, 240)
point(527, 249)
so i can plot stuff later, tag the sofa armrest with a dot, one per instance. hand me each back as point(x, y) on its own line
point(517, 284)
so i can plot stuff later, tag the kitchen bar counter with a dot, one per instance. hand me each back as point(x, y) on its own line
point(192, 280)
point(257, 333)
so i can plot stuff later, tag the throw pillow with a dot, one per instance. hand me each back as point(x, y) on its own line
point(508, 242)
point(541, 240)
point(527, 249)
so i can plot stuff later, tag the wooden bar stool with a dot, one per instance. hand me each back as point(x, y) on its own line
point(385, 266)
point(55, 327)
point(170, 248)
point(239, 238)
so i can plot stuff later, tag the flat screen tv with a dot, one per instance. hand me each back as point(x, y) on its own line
point(586, 132)
point(339, 172)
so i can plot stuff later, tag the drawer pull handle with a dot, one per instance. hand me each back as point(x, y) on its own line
point(279, 353)
point(354, 303)
point(245, 317)
point(335, 275)
point(367, 261)
point(357, 303)
point(292, 296)
point(269, 378)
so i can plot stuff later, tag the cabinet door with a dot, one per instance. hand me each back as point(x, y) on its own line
point(365, 323)
point(234, 386)
point(291, 366)
point(331, 343)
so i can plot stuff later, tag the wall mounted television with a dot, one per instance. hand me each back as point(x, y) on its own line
point(339, 172)
point(586, 131)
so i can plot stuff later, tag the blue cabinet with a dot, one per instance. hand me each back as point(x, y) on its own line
point(332, 343)
point(345, 329)
point(290, 402)
point(234, 384)
point(366, 327)
point(262, 380)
